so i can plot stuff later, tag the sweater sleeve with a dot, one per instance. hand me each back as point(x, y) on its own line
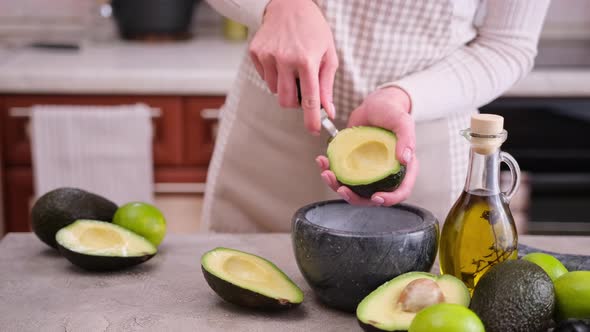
point(247, 12)
point(502, 53)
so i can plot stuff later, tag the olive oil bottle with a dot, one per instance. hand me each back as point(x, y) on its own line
point(479, 230)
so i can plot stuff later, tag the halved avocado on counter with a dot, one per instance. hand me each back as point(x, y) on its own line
point(393, 305)
point(363, 159)
point(102, 246)
point(62, 206)
point(248, 280)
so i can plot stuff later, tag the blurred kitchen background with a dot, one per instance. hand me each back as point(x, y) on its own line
point(162, 69)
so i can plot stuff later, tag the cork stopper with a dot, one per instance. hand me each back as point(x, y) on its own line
point(490, 125)
point(487, 124)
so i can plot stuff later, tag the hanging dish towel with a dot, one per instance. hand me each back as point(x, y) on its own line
point(102, 149)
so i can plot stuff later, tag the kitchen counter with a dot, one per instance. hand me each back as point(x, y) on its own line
point(206, 65)
point(41, 291)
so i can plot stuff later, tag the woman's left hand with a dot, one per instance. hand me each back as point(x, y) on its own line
point(386, 108)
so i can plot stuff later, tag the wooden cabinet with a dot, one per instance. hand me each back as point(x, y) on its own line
point(183, 143)
point(200, 127)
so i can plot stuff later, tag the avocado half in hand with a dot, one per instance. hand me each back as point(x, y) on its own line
point(363, 159)
point(248, 280)
point(393, 305)
point(102, 246)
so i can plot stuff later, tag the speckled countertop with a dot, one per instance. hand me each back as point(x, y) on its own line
point(41, 291)
point(205, 65)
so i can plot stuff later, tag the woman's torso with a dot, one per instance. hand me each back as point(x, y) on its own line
point(382, 41)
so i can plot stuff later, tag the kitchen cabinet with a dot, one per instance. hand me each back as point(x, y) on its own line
point(182, 146)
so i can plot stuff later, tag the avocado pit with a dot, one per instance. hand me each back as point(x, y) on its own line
point(419, 294)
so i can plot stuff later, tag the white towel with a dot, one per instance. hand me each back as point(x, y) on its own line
point(102, 149)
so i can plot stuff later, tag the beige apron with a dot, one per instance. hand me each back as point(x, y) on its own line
point(264, 167)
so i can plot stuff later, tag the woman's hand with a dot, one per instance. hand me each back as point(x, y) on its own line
point(387, 108)
point(295, 41)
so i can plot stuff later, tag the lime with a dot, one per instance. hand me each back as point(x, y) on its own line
point(143, 219)
point(446, 317)
point(572, 294)
point(551, 265)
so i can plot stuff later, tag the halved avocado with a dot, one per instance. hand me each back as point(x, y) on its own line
point(363, 159)
point(102, 246)
point(248, 280)
point(393, 305)
point(62, 206)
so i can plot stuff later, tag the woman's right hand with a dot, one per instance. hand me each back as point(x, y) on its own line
point(293, 41)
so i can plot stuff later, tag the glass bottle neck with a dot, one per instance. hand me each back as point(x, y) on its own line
point(483, 175)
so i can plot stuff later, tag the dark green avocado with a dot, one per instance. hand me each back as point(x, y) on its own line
point(573, 325)
point(61, 207)
point(393, 305)
point(515, 295)
point(363, 159)
point(102, 246)
point(248, 280)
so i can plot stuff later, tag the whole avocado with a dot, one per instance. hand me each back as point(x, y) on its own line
point(62, 206)
point(515, 295)
point(573, 325)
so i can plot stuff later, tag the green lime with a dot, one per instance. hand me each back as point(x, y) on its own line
point(551, 265)
point(446, 317)
point(143, 219)
point(572, 294)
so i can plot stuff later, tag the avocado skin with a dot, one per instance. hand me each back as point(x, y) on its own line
point(573, 325)
point(61, 207)
point(101, 263)
point(243, 297)
point(390, 183)
point(514, 295)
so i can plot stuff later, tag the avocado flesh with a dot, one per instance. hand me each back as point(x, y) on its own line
point(249, 280)
point(381, 311)
point(363, 158)
point(515, 295)
point(98, 245)
point(62, 206)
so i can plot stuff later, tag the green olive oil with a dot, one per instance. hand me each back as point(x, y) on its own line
point(478, 233)
point(479, 230)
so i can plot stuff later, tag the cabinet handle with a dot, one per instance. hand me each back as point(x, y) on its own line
point(179, 188)
point(25, 112)
point(210, 113)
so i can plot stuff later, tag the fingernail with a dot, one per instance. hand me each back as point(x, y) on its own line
point(378, 200)
point(332, 111)
point(319, 162)
point(315, 133)
point(407, 156)
point(326, 178)
point(344, 196)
